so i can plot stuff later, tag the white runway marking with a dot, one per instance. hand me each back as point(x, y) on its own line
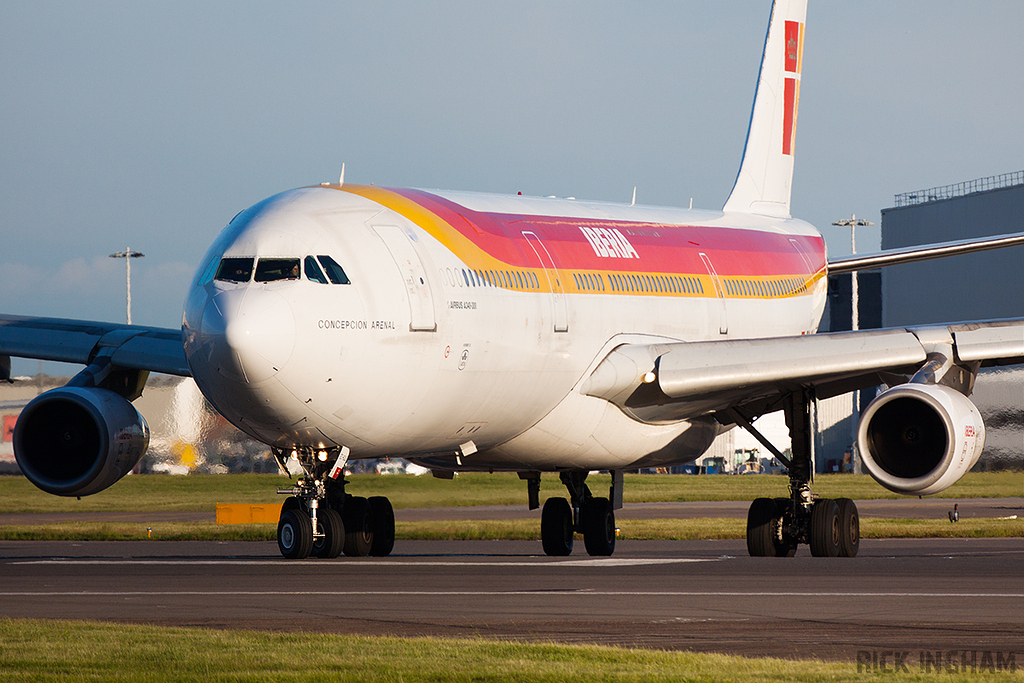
point(547, 593)
point(540, 562)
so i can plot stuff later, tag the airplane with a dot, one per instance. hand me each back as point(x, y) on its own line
point(466, 331)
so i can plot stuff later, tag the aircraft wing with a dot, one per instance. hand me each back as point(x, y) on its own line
point(892, 257)
point(81, 341)
point(673, 381)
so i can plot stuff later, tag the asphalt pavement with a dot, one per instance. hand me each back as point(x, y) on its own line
point(913, 594)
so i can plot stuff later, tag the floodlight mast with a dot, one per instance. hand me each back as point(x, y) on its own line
point(128, 255)
point(853, 222)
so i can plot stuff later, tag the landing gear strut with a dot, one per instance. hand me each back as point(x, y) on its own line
point(318, 518)
point(583, 513)
point(775, 527)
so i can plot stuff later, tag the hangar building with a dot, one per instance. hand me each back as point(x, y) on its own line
point(981, 286)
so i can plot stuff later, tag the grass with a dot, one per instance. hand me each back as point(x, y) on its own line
point(509, 530)
point(203, 492)
point(131, 531)
point(87, 651)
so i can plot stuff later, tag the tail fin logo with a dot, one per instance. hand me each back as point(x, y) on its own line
point(793, 62)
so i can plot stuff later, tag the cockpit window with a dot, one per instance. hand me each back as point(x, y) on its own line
point(333, 270)
point(313, 271)
point(272, 269)
point(235, 269)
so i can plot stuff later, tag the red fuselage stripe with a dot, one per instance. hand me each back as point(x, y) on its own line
point(626, 246)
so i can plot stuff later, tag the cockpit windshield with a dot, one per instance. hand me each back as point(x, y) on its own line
point(235, 269)
point(334, 271)
point(320, 269)
point(313, 272)
point(273, 269)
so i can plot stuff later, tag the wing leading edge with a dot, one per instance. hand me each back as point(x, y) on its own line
point(80, 341)
point(893, 257)
point(668, 382)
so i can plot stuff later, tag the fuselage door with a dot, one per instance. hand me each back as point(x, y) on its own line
point(551, 273)
point(803, 257)
point(723, 321)
point(421, 302)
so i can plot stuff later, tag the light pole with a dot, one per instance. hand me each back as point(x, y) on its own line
point(853, 222)
point(128, 255)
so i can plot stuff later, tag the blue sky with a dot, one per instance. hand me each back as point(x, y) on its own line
point(151, 124)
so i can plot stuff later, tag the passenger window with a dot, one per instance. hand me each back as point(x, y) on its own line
point(335, 272)
point(273, 269)
point(313, 271)
point(235, 269)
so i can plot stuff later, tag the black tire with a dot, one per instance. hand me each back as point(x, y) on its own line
point(849, 527)
point(295, 534)
point(784, 546)
point(825, 532)
point(383, 516)
point(598, 527)
point(556, 527)
point(761, 518)
point(292, 503)
point(358, 527)
point(333, 529)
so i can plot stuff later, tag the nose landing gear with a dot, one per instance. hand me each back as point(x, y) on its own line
point(318, 518)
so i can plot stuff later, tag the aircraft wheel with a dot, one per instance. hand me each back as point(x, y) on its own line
point(598, 527)
point(358, 527)
point(295, 534)
point(825, 536)
point(556, 527)
point(761, 519)
point(333, 540)
point(292, 503)
point(849, 527)
point(383, 517)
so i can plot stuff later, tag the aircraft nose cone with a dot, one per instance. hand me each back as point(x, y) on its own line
point(251, 333)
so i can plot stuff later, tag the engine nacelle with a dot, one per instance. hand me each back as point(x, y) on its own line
point(76, 441)
point(919, 439)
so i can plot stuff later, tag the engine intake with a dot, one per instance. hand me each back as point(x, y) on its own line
point(920, 439)
point(75, 441)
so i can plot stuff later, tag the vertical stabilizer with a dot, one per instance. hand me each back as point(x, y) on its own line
point(766, 172)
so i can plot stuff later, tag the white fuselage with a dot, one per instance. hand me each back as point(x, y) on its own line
point(474, 338)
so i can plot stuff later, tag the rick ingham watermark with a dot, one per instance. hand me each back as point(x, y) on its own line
point(925, 661)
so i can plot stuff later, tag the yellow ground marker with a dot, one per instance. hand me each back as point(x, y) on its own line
point(245, 513)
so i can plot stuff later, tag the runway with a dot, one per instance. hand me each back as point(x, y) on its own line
point(949, 594)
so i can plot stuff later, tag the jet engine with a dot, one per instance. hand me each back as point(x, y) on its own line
point(76, 441)
point(919, 439)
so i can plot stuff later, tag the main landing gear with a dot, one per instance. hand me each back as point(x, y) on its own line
point(776, 526)
point(583, 513)
point(318, 518)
